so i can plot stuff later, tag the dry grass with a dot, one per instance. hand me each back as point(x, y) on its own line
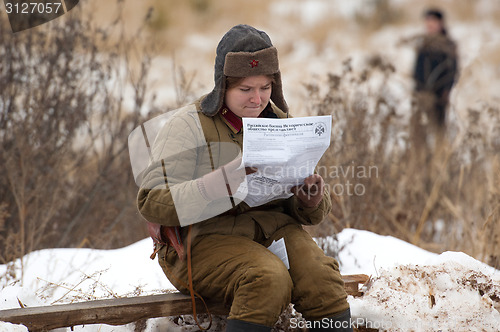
point(378, 13)
point(440, 193)
point(418, 189)
point(465, 10)
point(66, 179)
point(172, 21)
point(440, 197)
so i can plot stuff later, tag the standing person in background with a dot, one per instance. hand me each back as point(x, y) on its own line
point(435, 68)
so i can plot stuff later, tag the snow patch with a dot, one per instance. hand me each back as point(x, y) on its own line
point(410, 289)
point(12, 328)
point(368, 253)
point(71, 275)
point(451, 293)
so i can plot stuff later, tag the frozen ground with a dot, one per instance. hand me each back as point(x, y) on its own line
point(410, 288)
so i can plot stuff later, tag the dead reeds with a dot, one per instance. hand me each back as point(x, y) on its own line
point(438, 190)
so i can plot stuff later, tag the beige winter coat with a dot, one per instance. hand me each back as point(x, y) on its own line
point(191, 145)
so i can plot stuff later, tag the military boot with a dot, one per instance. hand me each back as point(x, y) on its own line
point(337, 323)
point(234, 325)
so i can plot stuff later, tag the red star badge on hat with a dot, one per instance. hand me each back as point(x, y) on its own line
point(254, 63)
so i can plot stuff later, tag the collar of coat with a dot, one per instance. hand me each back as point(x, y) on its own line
point(233, 121)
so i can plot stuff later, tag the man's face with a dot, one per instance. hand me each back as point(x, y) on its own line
point(433, 25)
point(250, 96)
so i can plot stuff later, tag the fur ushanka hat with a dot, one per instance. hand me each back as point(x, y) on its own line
point(244, 51)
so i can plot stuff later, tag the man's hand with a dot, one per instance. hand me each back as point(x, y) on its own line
point(224, 181)
point(310, 193)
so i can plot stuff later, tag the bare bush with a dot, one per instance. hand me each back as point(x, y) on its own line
point(377, 13)
point(66, 179)
point(437, 191)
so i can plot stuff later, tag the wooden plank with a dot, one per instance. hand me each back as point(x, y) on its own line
point(122, 311)
point(352, 283)
point(118, 311)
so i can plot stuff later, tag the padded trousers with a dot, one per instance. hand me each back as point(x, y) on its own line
point(242, 273)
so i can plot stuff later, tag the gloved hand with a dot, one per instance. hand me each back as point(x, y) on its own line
point(225, 180)
point(310, 193)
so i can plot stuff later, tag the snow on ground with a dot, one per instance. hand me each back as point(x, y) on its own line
point(410, 289)
point(367, 252)
point(450, 293)
point(66, 275)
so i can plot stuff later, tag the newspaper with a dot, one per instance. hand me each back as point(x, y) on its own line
point(284, 151)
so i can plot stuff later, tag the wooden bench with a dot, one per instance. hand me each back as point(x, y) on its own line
point(121, 311)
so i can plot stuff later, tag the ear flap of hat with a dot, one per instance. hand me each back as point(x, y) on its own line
point(212, 102)
point(277, 93)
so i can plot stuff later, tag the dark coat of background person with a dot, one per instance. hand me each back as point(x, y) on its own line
point(435, 72)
